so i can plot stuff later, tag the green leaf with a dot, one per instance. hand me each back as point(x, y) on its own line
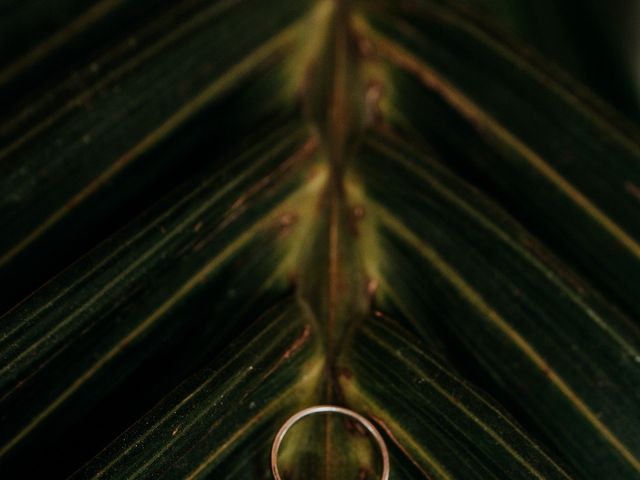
point(90, 153)
point(555, 348)
point(546, 135)
point(596, 42)
point(172, 171)
point(225, 410)
point(443, 426)
point(134, 299)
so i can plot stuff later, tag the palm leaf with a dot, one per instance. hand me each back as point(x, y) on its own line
point(456, 432)
point(212, 210)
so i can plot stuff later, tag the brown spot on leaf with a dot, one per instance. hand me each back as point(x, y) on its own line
point(372, 102)
point(372, 287)
point(293, 279)
point(299, 342)
point(343, 372)
point(365, 46)
point(287, 219)
point(633, 190)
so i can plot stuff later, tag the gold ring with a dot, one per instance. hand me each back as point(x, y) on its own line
point(328, 409)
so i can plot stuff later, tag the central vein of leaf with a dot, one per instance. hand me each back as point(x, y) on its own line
point(332, 279)
point(332, 274)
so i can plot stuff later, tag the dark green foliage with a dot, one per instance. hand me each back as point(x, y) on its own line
point(217, 213)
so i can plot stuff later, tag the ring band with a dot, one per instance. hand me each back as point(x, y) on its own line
point(328, 409)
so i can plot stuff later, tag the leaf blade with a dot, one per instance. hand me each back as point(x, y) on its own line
point(122, 303)
point(266, 369)
point(438, 420)
point(544, 131)
point(498, 293)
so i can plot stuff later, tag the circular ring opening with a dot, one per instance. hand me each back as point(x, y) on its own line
point(277, 441)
